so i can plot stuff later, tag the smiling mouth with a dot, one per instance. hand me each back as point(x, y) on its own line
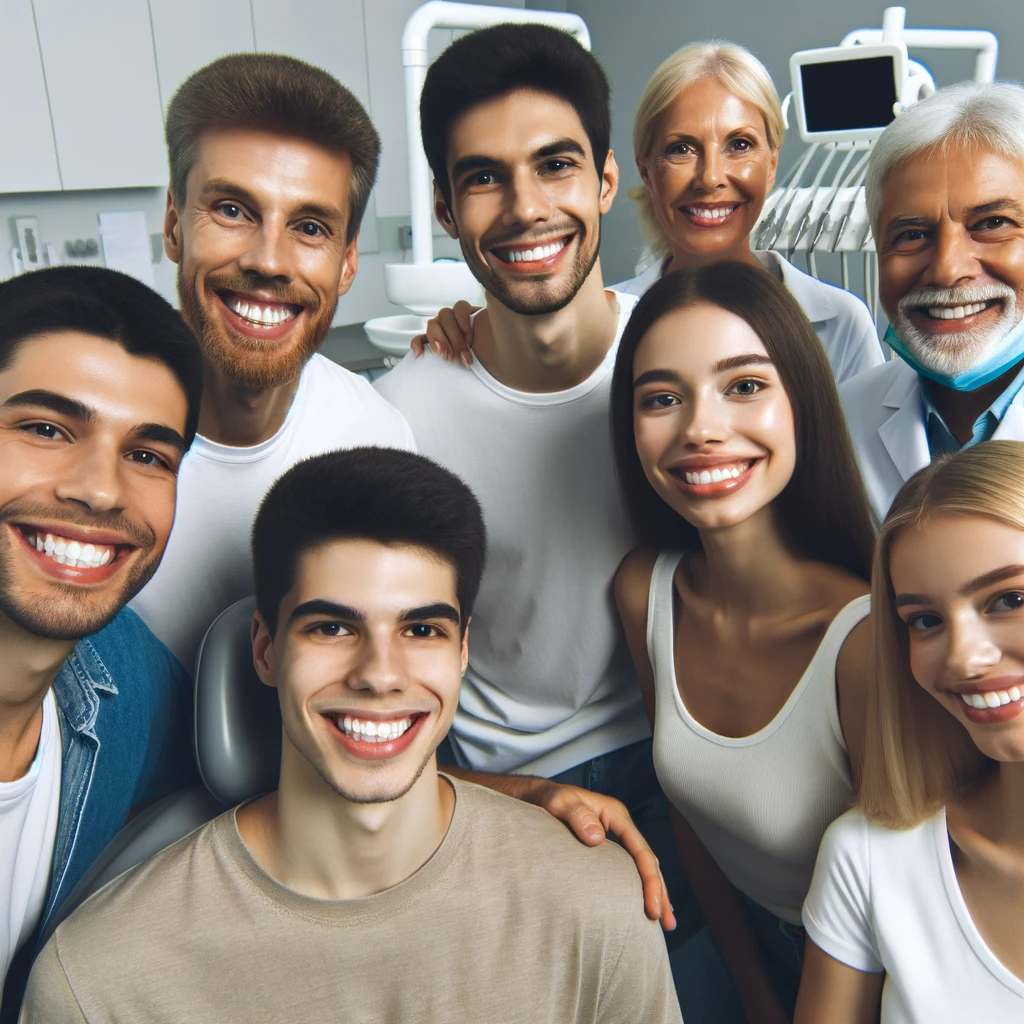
point(537, 253)
point(956, 312)
point(710, 216)
point(374, 730)
point(260, 314)
point(68, 551)
point(991, 698)
point(724, 472)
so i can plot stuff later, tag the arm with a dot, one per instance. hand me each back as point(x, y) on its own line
point(591, 816)
point(49, 999)
point(832, 993)
point(722, 905)
point(449, 334)
point(853, 669)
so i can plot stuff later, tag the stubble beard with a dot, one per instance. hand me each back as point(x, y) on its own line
point(66, 613)
point(248, 362)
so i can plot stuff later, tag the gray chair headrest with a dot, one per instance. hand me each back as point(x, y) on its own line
point(238, 719)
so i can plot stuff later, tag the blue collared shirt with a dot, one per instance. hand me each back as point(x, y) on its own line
point(940, 438)
point(124, 705)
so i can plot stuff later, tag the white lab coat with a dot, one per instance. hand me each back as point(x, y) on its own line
point(885, 415)
point(841, 321)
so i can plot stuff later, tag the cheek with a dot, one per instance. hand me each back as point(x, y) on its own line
point(153, 502)
point(653, 435)
point(927, 657)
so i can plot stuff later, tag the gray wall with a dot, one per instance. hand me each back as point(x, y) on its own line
point(631, 37)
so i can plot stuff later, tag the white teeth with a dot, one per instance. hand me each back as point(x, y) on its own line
point(372, 731)
point(716, 475)
point(267, 316)
point(956, 312)
point(702, 213)
point(991, 698)
point(1014, 692)
point(71, 552)
point(540, 252)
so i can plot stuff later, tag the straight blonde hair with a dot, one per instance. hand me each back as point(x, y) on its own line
point(732, 65)
point(917, 755)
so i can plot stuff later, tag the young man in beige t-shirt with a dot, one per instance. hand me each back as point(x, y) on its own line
point(367, 887)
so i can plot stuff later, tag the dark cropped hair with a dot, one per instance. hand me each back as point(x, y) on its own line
point(274, 93)
point(494, 61)
point(107, 304)
point(379, 494)
point(822, 513)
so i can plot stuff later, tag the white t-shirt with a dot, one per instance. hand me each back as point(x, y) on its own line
point(888, 900)
point(550, 682)
point(207, 564)
point(29, 809)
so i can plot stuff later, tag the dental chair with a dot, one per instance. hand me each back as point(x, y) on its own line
point(237, 745)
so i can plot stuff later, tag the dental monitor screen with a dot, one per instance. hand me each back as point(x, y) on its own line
point(847, 95)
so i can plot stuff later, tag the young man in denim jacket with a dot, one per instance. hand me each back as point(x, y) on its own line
point(100, 383)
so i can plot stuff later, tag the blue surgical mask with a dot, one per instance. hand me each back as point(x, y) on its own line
point(1009, 353)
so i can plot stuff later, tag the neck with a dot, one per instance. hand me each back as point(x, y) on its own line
point(238, 416)
point(28, 666)
point(748, 567)
point(1009, 795)
point(741, 251)
point(960, 409)
point(550, 351)
point(319, 844)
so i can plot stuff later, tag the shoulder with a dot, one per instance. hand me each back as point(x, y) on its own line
point(127, 647)
point(872, 386)
point(415, 380)
point(537, 856)
point(633, 581)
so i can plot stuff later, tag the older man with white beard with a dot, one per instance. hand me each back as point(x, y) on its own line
point(945, 192)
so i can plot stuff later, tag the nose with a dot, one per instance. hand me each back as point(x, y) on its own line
point(972, 651)
point(269, 253)
point(709, 173)
point(93, 479)
point(954, 260)
point(379, 669)
point(527, 201)
point(706, 421)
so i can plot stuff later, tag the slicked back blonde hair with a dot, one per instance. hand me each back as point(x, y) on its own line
point(918, 756)
point(732, 65)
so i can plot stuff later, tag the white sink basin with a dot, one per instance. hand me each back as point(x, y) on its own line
point(392, 334)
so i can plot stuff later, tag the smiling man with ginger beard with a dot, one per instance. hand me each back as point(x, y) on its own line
point(272, 162)
point(100, 384)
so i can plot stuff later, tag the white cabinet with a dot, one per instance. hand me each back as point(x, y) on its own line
point(102, 85)
point(188, 34)
point(28, 157)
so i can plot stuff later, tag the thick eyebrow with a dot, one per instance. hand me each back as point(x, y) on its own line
point(996, 205)
point(60, 404)
point(320, 606)
point(987, 579)
point(439, 610)
point(481, 162)
point(656, 377)
point(161, 435)
point(229, 188)
point(735, 362)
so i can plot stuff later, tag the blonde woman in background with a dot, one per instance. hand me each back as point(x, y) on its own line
point(706, 139)
point(914, 913)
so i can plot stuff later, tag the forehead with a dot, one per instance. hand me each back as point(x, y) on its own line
point(948, 551)
point(512, 126)
point(272, 167)
point(100, 374)
point(692, 340)
point(372, 577)
point(951, 180)
point(708, 106)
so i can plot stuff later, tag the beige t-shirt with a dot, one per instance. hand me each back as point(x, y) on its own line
point(512, 921)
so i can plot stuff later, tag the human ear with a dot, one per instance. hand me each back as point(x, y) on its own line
point(262, 650)
point(609, 182)
point(350, 263)
point(443, 214)
point(465, 646)
point(172, 230)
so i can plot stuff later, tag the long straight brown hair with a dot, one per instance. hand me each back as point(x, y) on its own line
point(822, 513)
point(917, 755)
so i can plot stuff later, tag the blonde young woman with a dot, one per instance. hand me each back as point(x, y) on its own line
point(745, 612)
point(915, 910)
point(706, 140)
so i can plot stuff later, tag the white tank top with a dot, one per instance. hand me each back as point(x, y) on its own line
point(759, 803)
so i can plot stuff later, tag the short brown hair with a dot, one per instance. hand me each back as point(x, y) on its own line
point(822, 513)
point(274, 93)
point(917, 755)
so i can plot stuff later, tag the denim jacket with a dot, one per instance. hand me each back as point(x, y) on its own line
point(124, 704)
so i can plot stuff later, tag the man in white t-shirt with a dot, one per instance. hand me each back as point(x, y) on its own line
point(515, 124)
point(272, 163)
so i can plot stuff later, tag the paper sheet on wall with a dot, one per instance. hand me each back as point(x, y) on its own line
point(126, 244)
